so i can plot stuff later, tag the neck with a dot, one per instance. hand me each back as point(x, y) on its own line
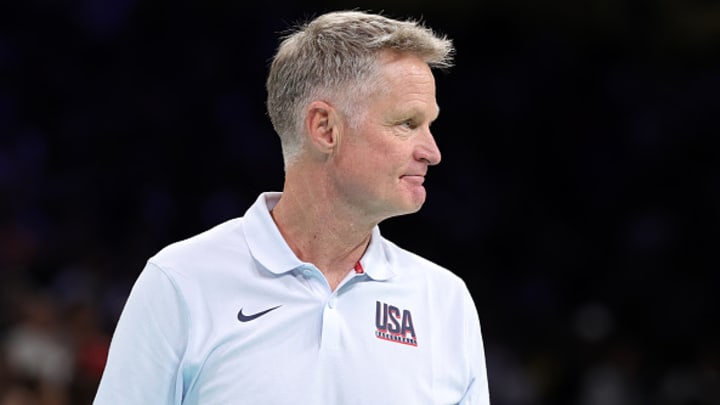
point(319, 228)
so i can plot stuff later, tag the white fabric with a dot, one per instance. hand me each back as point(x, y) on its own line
point(179, 339)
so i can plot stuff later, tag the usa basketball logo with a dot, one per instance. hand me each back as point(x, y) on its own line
point(394, 324)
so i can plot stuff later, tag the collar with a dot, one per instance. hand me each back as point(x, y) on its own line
point(268, 246)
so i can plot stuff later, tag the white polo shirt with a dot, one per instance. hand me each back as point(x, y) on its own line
point(232, 316)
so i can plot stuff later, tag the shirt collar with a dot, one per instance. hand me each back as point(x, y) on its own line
point(268, 246)
point(375, 262)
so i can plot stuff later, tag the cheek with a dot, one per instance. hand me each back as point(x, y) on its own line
point(384, 163)
point(374, 152)
point(370, 173)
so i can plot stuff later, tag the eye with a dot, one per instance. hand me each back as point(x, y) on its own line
point(408, 124)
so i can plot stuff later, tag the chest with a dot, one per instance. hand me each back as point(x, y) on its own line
point(349, 347)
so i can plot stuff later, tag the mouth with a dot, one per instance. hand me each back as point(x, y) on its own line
point(415, 179)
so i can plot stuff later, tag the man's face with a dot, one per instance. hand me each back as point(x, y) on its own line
point(381, 164)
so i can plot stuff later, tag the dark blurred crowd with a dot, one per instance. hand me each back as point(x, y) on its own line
point(579, 193)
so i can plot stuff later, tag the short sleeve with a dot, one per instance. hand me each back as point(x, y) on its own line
point(478, 391)
point(143, 365)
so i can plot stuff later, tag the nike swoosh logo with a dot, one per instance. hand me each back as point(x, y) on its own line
point(245, 318)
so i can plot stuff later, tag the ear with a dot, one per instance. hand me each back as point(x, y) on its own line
point(322, 124)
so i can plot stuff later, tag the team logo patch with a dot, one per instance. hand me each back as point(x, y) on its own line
point(394, 324)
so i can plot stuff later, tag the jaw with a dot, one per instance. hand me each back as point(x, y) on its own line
point(409, 198)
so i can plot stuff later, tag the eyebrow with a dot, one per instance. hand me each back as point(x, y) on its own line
point(415, 112)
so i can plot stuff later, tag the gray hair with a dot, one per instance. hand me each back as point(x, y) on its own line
point(335, 58)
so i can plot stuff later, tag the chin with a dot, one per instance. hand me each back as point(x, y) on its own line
point(401, 210)
point(412, 207)
point(407, 203)
point(415, 209)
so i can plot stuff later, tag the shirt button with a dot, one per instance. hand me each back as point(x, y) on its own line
point(332, 302)
point(307, 272)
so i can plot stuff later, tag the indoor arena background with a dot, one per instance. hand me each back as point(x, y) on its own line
point(579, 193)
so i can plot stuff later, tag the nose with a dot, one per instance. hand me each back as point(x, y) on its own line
point(427, 150)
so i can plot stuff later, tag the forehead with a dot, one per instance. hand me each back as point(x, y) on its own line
point(406, 82)
point(394, 64)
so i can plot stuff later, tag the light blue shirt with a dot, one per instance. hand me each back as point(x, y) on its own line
point(232, 316)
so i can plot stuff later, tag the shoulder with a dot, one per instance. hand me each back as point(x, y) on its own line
point(203, 249)
point(407, 263)
point(443, 292)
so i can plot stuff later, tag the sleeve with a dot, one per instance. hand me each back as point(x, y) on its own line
point(478, 391)
point(143, 365)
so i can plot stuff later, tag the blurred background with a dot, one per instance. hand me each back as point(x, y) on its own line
point(579, 193)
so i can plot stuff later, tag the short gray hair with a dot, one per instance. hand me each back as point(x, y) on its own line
point(335, 57)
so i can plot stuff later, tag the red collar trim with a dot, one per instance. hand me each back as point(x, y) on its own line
point(359, 268)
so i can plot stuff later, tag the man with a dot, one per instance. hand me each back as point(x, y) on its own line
point(302, 301)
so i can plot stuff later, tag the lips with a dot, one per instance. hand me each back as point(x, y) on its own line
point(417, 179)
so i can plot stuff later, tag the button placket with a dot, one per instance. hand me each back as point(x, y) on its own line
point(331, 325)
